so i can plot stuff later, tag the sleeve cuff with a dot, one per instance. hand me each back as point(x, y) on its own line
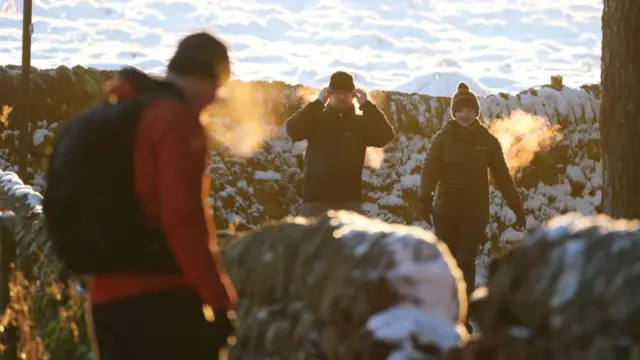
point(317, 102)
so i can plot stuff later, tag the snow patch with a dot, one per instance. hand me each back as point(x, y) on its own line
point(267, 175)
point(400, 324)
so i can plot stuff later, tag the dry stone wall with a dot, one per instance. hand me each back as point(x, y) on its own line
point(265, 186)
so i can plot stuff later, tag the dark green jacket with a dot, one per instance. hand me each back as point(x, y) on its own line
point(336, 148)
point(457, 162)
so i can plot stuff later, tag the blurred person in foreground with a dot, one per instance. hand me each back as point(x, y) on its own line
point(337, 139)
point(155, 315)
point(454, 187)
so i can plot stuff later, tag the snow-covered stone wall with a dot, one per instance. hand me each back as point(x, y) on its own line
point(247, 191)
point(312, 281)
point(569, 292)
point(567, 177)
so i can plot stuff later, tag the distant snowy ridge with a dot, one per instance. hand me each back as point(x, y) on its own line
point(440, 83)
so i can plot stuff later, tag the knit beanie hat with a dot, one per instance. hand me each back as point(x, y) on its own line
point(464, 98)
point(201, 55)
point(341, 80)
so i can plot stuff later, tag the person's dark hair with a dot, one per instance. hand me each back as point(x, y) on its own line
point(201, 55)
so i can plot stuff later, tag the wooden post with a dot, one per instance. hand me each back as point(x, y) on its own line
point(24, 104)
point(7, 265)
point(556, 82)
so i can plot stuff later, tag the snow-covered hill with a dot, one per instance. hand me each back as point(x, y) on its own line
point(441, 83)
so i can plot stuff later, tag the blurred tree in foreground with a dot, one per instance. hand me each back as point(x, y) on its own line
point(620, 108)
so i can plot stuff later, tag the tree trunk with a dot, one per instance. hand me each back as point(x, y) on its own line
point(620, 109)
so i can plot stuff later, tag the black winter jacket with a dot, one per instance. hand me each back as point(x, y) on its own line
point(336, 148)
point(457, 162)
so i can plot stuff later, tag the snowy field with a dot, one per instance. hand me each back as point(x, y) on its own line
point(425, 46)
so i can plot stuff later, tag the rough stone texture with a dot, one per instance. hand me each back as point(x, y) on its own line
point(22, 209)
point(77, 88)
point(569, 291)
point(320, 282)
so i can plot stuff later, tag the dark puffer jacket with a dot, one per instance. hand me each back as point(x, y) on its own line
point(336, 148)
point(457, 162)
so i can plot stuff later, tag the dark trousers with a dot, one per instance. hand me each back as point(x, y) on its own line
point(312, 209)
point(166, 325)
point(463, 236)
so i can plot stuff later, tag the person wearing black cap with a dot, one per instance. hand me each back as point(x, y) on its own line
point(337, 139)
point(457, 160)
point(159, 314)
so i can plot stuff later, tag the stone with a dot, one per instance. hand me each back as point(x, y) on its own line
point(316, 284)
point(569, 290)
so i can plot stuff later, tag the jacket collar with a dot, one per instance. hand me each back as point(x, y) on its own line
point(462, 132)
point(350, 111)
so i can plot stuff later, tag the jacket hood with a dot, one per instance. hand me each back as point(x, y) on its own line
point(131, 81)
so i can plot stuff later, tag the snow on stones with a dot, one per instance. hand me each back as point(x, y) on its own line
point(267, 185)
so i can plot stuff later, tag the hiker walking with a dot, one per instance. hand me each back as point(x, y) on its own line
point(457, 160)
point(139, 229)
point(337, 139)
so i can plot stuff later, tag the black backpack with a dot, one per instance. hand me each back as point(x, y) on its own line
point(91, 212)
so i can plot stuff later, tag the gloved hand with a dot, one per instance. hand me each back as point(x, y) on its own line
point(226, 320)
point(361, 96)
point(324, 95)
point(425, 206)
point(224, 323)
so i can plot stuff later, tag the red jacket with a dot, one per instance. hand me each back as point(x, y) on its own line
point(169, 172)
